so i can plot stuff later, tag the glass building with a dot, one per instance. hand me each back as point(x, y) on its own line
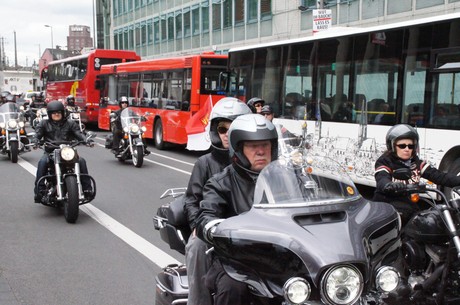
point(158, 28)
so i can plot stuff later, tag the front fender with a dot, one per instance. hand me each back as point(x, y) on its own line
point(137, 142)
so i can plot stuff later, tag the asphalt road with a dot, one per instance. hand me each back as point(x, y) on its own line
point(111, 255)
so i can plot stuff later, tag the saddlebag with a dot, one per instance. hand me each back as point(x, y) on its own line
point(174, 228)
point(108, 141)
point(171, 286)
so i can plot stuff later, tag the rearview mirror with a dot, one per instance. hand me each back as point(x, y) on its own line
point(402, 173)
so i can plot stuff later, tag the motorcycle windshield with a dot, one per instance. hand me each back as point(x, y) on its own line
point(303, 180)
point(130, 116)
point(10, 111)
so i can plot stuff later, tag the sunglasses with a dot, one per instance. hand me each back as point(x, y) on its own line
point(222, 130)
point(402, 146)
point(56, 112)
point(258, 105)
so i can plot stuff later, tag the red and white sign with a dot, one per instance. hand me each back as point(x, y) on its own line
point(322, 20)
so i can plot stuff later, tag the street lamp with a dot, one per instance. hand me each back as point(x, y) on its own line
point(49, 26)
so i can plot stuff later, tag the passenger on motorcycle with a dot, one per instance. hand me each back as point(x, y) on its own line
point(197, 262)
point(402, 143)
point(117, 130)
point(253, 144)
point(57, 128)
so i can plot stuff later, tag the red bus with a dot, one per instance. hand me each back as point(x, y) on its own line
point(172, 90)
point(76, 76)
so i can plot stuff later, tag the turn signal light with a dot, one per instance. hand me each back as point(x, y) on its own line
point(414, 198)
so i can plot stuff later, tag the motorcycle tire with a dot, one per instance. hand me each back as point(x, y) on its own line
point(138, 156)
point(71, 204)
point(14, 151)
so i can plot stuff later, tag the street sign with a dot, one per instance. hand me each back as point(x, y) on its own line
point(322, 20)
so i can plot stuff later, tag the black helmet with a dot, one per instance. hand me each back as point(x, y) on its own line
point(123, 99)
point(4, 94)
point(253, 101)
point(226, 109)
point(10, 98)
point(55, 106)
point(250, 127)
point(401, 131)
point(267, 109)
point(70, 100)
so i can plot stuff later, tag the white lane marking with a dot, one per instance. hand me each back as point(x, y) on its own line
point(164, 165)
point(159, 155)
point(154, 254)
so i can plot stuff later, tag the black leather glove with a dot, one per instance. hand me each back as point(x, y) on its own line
point(90, 142)
point(395, 188)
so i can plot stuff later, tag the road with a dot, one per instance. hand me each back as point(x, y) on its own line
point(111, 255)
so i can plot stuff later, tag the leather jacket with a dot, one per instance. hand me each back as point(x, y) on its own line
point(388, 162)
point(205, 167)
point(226, 194)
point(63, 130)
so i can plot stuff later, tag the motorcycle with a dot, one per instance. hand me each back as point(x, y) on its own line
point(63, 180)
point(40, 114)
point(309, 237)
point(13, 135)
point(131, 144)
point(73, 113)
point(431, 247)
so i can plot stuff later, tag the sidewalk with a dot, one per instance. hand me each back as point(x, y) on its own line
point(7, 296)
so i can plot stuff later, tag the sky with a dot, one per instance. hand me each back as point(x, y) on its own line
point(28, 19)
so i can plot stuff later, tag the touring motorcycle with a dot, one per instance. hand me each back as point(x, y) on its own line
point(309, 237)
point(431, 247)
point(64, 183)
point(131, 144)
point(40, 114)
point(13, 135)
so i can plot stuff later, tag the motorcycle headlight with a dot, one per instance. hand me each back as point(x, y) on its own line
point(341, 285)
point(387, 279)
point(12, 124)
point(296, 290)
point(2, 125)
point(134, 128)
point(21, 124)
point(144, 129)
point(67, 153)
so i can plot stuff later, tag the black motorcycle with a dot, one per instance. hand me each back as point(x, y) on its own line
point(309, 238)
point(431, 247)
point(63, 180)
point(131, 144)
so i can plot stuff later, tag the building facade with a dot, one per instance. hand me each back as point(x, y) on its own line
point(79, 38)
point(155, 28)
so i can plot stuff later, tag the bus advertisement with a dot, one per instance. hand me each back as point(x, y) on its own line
point(172, 90)
point(76, 76)
point(352, 84)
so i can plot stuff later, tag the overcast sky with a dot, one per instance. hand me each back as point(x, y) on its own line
point(28, 19)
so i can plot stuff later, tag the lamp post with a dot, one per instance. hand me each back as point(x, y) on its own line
point(49, 26)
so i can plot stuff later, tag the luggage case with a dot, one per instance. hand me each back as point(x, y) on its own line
point(172, 286)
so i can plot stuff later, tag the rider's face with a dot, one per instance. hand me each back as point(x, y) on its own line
point(258, 153)
point(403, 151)
point(56, 116)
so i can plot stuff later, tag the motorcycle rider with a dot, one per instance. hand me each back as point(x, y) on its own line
point(253, 144)
point(57, 128)
point(70, 103)
point(36, 103)
point(402, 143)
point(3, 96)
point(256, 104)
point(197, 262)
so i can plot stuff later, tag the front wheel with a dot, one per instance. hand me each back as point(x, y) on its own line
point(14, 151)
point(71, 203)
point(138, 156)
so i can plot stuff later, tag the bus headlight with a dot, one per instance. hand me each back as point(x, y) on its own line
point(296, 290)
point(67, 153)
point(134, 128)
point(342, 285)
point(387, 279)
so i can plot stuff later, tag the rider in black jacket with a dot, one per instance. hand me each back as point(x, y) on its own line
point(57, 128)
point(253, 144)
point(402, 147)
point(197, 262)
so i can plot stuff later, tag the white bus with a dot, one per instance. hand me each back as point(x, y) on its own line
point(352, 84)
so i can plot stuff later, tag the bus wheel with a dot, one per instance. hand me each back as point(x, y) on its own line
point(158, 132)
